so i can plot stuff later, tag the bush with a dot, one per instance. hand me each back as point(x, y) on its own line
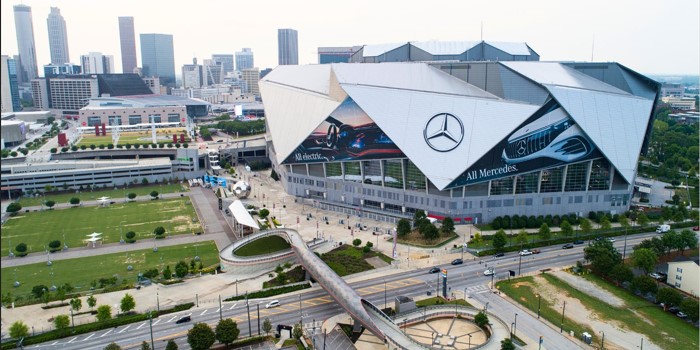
point(159, 231)
point(110, 146)
point(74, 148)
point(54, 246)
point(21, 249)
point(130, 236)
point(101, 147)
point(53, 150)
point(92, 147)
point(14, 207)
point(271, 292)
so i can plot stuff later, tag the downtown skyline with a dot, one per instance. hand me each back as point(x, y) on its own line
point(624, 31)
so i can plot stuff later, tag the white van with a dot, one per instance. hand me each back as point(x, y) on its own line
point(274, 303)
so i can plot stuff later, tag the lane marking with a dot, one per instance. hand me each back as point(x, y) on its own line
point(170, 320)
point(89, 336)
point(217, 310)
point(107, 332)
point(72, 340)
point(232, 306)
point(125, 328)
point(143, 324)
point(204, 312)
point(156, 322)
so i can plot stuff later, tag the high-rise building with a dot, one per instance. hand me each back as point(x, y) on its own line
point(64, 68)
point(213, 71)
point(67, 94)
point(244, 59)
point(158, 58)
point(251, 76)
point(287, 47)
point(226, 62)
point(97, 63)
point(9, 89)
point(58, 37)
point(336, 54)
point(192, 75)
point(127, 41)
point(24, 28)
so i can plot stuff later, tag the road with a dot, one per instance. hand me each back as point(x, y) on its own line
point(316, 305)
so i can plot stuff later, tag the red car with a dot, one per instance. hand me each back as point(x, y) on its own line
point(696, 228)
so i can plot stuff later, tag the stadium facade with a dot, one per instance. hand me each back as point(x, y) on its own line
point(468, 140)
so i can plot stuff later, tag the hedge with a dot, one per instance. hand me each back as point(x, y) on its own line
point(271, 292)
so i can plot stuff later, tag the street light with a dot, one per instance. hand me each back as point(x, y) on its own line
point(515, 323)
point(539, 300)
point(602, 342)
point(470, 341)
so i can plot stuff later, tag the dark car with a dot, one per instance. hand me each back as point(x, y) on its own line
point(184, 319)
point(578, 242)
point(457, 262)
point(673, 309)
point(499, 254)
point(567, 246)
point(435, 269)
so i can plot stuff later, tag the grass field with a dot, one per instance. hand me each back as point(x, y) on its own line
point(118, 194)
point(264, 245)
point(440, 301)
point(346, 260)
point(39, 228)
point(134, 137)
point(81, 272)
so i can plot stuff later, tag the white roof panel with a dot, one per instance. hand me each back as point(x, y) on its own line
point(313, 77)
point(445, 47)
point(553, 73)
point(511, 47)
point(406, 76)
point(242, 216)
point(378, 49)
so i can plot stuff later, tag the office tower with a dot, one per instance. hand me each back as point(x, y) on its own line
point(336, 54)
point(158, 58)
point(213, 71)
point(58, 37)
point(59, 69)
point(192, 75)
point(127, 41)
point(25, 44)
point(153, 83)
point(97, 63)
point(287, 47)
point(66, 93)
point(244, 59)
point(9, 89)
point(251, 76)
point(226, 62)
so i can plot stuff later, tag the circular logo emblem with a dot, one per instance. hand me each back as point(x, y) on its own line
point(443, 132)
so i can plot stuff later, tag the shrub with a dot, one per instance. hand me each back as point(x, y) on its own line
point(53, 150)
point(159, 231)
point(137, 146)
point(110, 146)
point(130, 236)
point(128, 146)
point(356, 242)
point(104, 313)
point(92, 147)
point(63, 150)
point(14, 207)
point(54, 246)
point(74, 148)
point(102, 147)
point(21, 249)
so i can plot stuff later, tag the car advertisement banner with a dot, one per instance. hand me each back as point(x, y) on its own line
point(347, 134)
point(549, 138)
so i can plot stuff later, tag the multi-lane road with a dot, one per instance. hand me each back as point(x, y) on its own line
point(316, 306)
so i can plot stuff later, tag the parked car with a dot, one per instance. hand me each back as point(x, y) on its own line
point(578, 241)
point(696, 228)
point(681, 314)
point(489, 272)
point(598, 238)
point(184, 319)
point(674, 309)
point(525, 252)
point(610, 239)
point(567, 246)
point(535, 251)
point(457, 262)
point(274, 303)
point(499, 254)
point(655, 275)
point(435, 269)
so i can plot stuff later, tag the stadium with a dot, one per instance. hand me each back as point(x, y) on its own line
point(468, 140)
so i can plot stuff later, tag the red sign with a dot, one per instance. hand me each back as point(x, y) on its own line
point(84, 123)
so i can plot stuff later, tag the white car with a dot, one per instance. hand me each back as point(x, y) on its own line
point(525, 252)
point(655, 275)
point(274, 303)
point(489, 272)
point(610, 239)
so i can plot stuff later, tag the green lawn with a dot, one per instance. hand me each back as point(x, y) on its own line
point(440, 301)
point(139, 137)
point(118, 194)
point(36, 229)
point(346, 260)
point(264, 245)
point(81, 272)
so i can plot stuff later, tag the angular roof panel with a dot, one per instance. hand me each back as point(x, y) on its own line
point(313, 77)
point(380, 49)
point(554, 73)
point(445, 47)
point(512, 48)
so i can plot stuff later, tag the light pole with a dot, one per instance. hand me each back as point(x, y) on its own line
point(520, 258)
point(385, 293)
point(515, 324)
point(150, 325)
point(470, 341)
point(512, 325)
point(121, 236)
point(561, 327)
point(602, 342)
point(539, 300)
point(157, 301)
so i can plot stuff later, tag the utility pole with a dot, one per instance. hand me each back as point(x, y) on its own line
point(520, 259)
point(150, 325)
point(221, 313)
point(561, 328)
point(301, 315)
point(247, 306)
point(258, 306)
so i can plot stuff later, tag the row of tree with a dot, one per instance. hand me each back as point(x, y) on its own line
point(427, 229)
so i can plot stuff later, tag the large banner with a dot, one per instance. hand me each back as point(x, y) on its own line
point(347, 134)
point(549, 138)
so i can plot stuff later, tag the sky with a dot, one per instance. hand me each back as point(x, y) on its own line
point(649, 36)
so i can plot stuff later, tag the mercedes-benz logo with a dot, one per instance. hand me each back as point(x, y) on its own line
point(443, 132)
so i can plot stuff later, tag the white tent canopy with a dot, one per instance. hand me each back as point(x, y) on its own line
point(241, 215)
point(94, 234)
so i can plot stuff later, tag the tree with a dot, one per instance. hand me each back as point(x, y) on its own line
point(642, 219)
point(419, 217)
point(481, 319)
point(61, 322)
point(478, 239)
point(130, 236)
point(39, 290)
point(159, 231)
point(585, 225)
point(54, 245)
point(605, 223)
point(227, 331)
point(356, 242)
point(644, 284)
point(623, 221)
point(76, 304)
point(171, 345)
point(690, 307)
point(669, 296)
point(429, 231)
point(522, 237)
point(131, 196)
point(670, 240)
point(602, 255)
point(13, 208)
point(201, 337)
point(154, 194)
point(644, 259)
point(75, 201)
point(687, 239)
point(448, 226)
point(263, 213)
point(544, 232)
point(167, 274)
point(19, 330)
point(145, 345)
point(112, 346)
point(127, 304)
point(566, 228)
point(297, 332)
point(181, 269)
point(403, 227)
point(499, 240)
point(21, 249)
point(655, 244)
point(621, 273)
point(91, 301)
point(104, 312)
point(49, 203)
point(267, 326)
point(507, 344)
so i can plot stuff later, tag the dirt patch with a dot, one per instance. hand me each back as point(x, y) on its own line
point(376, 262)
point(590, 288)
